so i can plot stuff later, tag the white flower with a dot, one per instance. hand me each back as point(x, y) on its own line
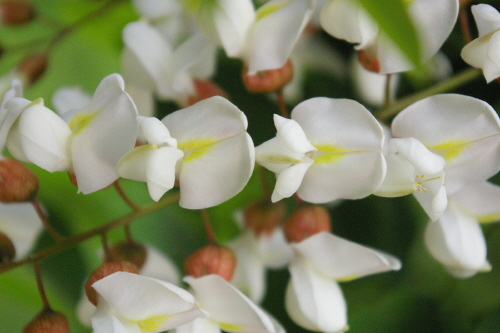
point(135, 303)
point(313, 298)
point(227, 309)
point(88, 142)
point(433, 19)
point(8, 92)
point(483, 52)
point(263, 39)
point(330, 149)
point(456, 239)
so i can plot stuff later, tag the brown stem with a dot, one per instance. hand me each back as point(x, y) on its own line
point(104, 239)
point(45, 221)
point(464, 24)
point(124, 196)
point(128, 233)
point(388, 97)
point(39, 283)
point(208, 226)
point(263, 182)
point(71, 241)
point(282, 104)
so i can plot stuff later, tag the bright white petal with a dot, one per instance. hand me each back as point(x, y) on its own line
point(487, 18)
point(313, 300)
point(292, 135)
point(432, 196)
point(275, 155)
point(10, 110)
point(479, 200)
point(457, 242)
point(475, 53)
point(155, 132)
point(70, 98)
point(274, 249)
point(104, 320)
point(232, 310)
point(491, 66)
point(289, 180)
point(341, 259)
point(199, 325)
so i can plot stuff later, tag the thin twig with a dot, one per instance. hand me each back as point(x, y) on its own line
point(208, 226)
point(464, 24)
point(45, 221)
point(39, 282)
point(282, 104)
point(124, 195)
point(71, 241)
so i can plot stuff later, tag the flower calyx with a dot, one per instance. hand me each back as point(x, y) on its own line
point(305, 222)
point(211, 259)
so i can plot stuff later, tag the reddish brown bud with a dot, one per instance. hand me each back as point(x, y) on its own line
point(264, 216)
point(17, 182)
point(7, 249)
point(205, 89)
point(15, 12)
point(268, 81)
point(103, 271)
point(134, 253)
point(33, 67)
point(47, 321)
point(72, 178)
point(305, 222)
point(369, 61)
point(211, 259)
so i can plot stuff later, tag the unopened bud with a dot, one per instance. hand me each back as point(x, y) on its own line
point(205, 89)
point(103, 271)
point(305, 222)
point(134, 253)
point(268, 81)
point(211, 259)
point(47, 321)
point(7, 249)
point(15, 12)
point(264, 216)
point(369, 61)
point(33, 67)
point(17, 182)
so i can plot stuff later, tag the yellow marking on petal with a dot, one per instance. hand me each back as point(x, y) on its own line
point(488, 218)
point(231, 327)
point(81, 121)
point(196, 148)
point(38, 101)
point(328, 154)
point(151, 324)
point(450, 149)
point(267, 10)
point(348, 278)
point(277, 159)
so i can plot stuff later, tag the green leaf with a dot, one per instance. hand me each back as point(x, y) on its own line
point(393, 18)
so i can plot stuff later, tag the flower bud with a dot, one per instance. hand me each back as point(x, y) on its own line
point(103, 271)
point(268, 81)
point(17, 182)
point(48, 321)
point(16, 12)
point(305, 222)
point(7, 249)
point(33, 67)
point(72, 178)
point(211, 259)
point(264, 216)
point(369, 61)
point(205, 89)
point(134, 253)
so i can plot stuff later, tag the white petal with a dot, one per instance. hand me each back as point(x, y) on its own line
point(475, 53)
point(399, 179)
point(479, 200)
point(232, 310)
point(418, 155)
point(85, 310)
point(143, 99)
point(70, 98)
point(43, 138)
point(314, 301)
point(277, 28)
point(155, 132)
point(487, 18)
point(103, 132)
point(10, 110)
point(199, 325)
point(457, 242)
point(159, 266)
point(275, 155)
point(104, 320)
point(289, 180)
point(433, 199)
point(491, 67)
point(274, 249)
point(292, 135)
point(20, 222)
point(155, 9)
point(341, 259)
point(151, 303)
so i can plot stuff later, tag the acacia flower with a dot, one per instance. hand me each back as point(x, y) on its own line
point(456, 239)
point(7, 118)
point(330, 149)
point(88, 142)
point(263, 39)
point(483, 52)
point(135, 303)
point(313, 298)
point(433, 20)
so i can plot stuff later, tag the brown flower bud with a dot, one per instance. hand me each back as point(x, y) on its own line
point(211, 259)
point(268, 81)
point(305, 222)
point(33, 67)
point(7, 249)
point(205, 89)
point(103, 271)
point(47, 321)
point(16, 12)
point(264, 216)
point(17, 182)
point(134, 253)
point(72, 178)
point(369, 61)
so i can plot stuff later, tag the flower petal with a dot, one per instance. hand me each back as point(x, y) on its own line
point(104, 320)
point(199, 325)
point(479, 200)
point(487, 18)
point(289, 180)
point(432, 194)
point(70, 98)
